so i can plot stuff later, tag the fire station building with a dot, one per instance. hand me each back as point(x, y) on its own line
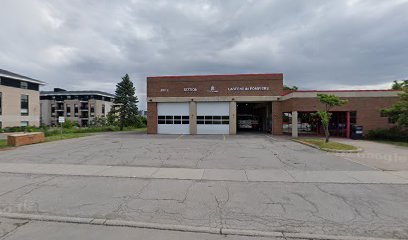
point(230, 104)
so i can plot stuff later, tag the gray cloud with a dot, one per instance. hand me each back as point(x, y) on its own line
point(316, 44)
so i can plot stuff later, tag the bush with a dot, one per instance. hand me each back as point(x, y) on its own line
point(69, 124)
point(392, 134)
point(98, 122)
point(141, 122)
point(22, 129)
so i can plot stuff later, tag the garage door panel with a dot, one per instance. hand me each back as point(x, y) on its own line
point(173, 118)
point(213, 118)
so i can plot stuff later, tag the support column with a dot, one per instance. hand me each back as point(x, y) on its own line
point(193, 118)
point(151, 118)
point(233, 118)
point(348, 125)
point(294, 124)
point(277, 118)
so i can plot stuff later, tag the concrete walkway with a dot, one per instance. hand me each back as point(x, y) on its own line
point(265, 175)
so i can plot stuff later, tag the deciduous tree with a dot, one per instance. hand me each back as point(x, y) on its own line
point(329, 102)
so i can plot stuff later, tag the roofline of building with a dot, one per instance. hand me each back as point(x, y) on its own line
point(62, 93)
point(334, 91)
point(24, 79)
point(221, 75)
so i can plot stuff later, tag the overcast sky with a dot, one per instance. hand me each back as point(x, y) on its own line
point(317, 44)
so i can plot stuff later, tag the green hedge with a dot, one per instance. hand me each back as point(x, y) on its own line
point(392, 134)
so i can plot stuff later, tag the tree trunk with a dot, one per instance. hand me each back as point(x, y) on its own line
point(327, 133)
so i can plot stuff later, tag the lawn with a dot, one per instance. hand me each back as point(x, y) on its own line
point(55, 134)
point(65, 136)
point(3, 143)
point(320, 143)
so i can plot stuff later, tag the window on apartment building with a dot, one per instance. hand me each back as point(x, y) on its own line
point(76, 110)
point(1, 125)
point(53, 110)
point(24, 124)
point(92, 110)
point(24, 105)
point(68, 110)
point(24, 85)
point(103, 109)
point(1, 103)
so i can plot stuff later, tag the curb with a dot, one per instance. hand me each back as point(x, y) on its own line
point(181, 228)
point(358, 150)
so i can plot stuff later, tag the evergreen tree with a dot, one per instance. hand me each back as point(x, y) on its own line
point(125, 111)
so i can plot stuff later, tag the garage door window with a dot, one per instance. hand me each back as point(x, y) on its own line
point(168, 119)
point(213, 120)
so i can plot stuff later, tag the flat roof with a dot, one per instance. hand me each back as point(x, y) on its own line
point(222, 75)
point(85, 92)
point(334, 91)
point(8, 74)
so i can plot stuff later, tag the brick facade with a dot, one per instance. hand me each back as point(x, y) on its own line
point(263, 88)
point(169, 86)
point(151, 118)
point(367, 108)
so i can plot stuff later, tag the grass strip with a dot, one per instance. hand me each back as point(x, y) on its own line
point(320, 143)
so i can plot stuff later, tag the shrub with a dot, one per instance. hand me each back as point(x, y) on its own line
point(98, 122)
point(392, 134)
point(69, 124)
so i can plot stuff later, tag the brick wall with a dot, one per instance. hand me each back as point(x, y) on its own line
point(151, 118)
point(368, 109)
point(174, 86)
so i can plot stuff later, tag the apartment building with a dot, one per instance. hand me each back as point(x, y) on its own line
point(78, 106)
point(19, 100)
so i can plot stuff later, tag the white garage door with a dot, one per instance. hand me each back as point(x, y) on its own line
point(173, 118)
point(213, 118)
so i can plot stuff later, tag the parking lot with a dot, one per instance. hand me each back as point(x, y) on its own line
point(250, 182)
point(248, 151)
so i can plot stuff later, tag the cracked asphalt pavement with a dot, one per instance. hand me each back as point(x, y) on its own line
point(370, 210)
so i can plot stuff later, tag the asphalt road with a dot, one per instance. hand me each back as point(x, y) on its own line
point(341, 209)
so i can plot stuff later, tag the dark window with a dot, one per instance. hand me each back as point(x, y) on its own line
point(1, 103)
point(353, 117)
point(210, 120)
point(103, 109)
point(24, 85)
point(68, 110)
point(19, 84)
point(168, 119)
point(185, 120)
point(24, 105)
point(177, 119)
point(76, 109)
